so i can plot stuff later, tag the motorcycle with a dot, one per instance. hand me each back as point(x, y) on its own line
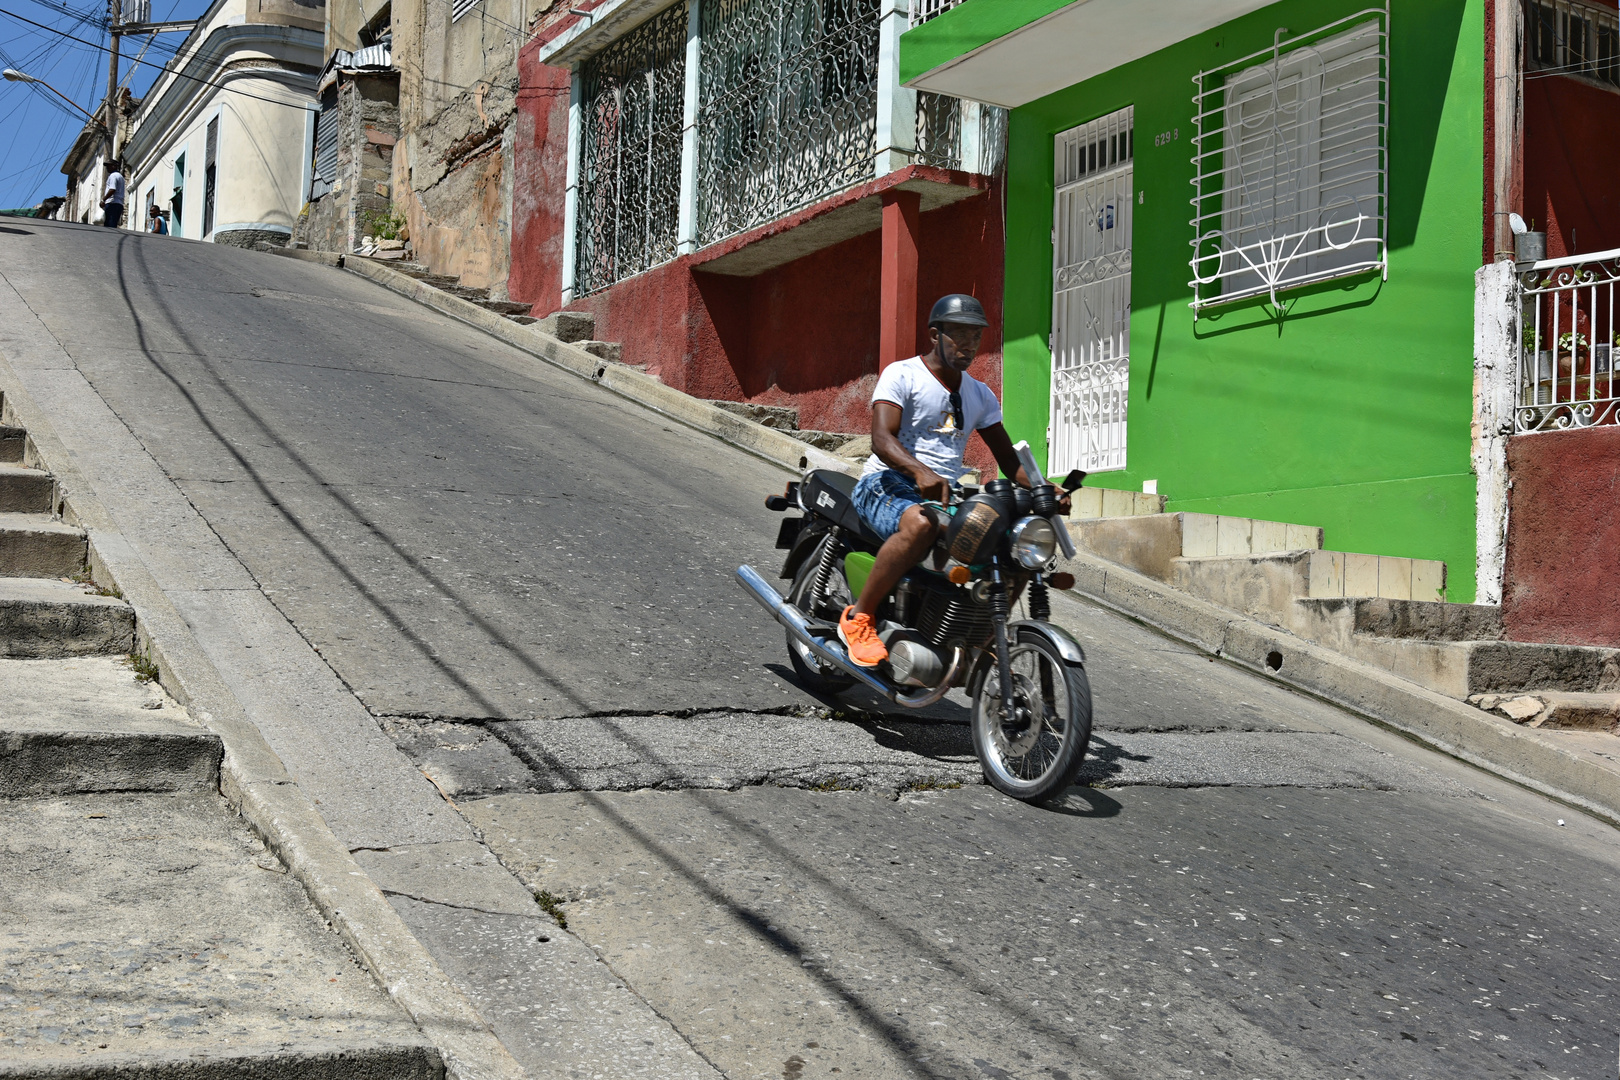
point(949, 624)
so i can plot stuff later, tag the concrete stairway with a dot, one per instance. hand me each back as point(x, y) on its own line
point(49, 604)
point(1384, 611)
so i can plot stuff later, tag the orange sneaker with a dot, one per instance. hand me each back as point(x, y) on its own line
point(865, 647)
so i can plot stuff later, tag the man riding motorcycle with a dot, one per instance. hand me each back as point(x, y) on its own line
point(923, 410)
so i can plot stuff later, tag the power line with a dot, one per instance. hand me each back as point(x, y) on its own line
point(176, 74)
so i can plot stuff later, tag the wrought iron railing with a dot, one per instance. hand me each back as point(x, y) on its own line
point(787, 107)
point(630, 152)
point(1567, 344)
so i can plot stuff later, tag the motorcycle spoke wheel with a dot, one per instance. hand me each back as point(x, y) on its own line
point(1034, 750)
point(815, 675)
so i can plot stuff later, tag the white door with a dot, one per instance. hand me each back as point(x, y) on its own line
point(1091, 296)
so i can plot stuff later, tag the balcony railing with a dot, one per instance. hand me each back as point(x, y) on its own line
point(1566, 376)
point(788, 102)
point(923, 10)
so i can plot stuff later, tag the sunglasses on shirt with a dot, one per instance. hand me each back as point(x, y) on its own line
point(956, 410)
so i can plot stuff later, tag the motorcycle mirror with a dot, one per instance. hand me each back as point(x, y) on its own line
point(1073, 480)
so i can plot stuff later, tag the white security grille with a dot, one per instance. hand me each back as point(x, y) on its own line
point(1289, 159)
point(458, 8)
point(923, 10)
point(1091, 295)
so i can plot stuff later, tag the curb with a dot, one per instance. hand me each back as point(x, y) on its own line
point(257, 785)
point(1500, 747)
point(639, 387)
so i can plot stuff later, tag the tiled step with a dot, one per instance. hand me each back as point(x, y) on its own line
point(26, 491)
point(1127, 529)
point(37, 545)
point(13, 443)
point(41, 618)
point(1266, 585)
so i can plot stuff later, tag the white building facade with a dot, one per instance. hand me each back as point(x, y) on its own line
point(223, 141)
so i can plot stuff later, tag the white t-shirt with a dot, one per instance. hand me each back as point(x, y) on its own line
point(115, 188)
point(927, 424)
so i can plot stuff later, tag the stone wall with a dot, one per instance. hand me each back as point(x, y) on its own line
point(368, 130)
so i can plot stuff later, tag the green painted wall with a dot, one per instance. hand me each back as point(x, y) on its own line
point(1351, 410)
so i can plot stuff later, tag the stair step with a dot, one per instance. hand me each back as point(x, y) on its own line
point(13, 443)
point(504, 307)
point(1267, 584)
point(1129, 530)
point(1110, 503)
point(38, 545)
point(26, 491)
point(523, 320)
point(569, 326)
point(438, 281)
point(41, 618)
point(466, 292)
point(1556, 709)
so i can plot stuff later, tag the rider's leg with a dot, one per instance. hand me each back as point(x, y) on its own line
point(899, 553)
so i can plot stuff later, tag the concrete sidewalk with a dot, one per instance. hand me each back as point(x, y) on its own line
point(146, 928)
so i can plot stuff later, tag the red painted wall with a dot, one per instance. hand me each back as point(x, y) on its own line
point(1572, 163)
point(804, 334)
point(1563, 544)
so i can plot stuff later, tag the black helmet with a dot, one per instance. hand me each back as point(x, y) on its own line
point(958, 308)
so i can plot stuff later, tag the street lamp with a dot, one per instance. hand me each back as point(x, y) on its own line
point(13, 75)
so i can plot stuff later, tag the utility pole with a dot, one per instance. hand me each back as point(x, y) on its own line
point(115, 9)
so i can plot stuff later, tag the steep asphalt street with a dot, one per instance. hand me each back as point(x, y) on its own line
point(527, 582)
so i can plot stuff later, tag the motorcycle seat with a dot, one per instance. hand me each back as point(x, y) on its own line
point(828, 493)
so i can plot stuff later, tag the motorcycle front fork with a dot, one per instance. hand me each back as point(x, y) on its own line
point(1040, 608)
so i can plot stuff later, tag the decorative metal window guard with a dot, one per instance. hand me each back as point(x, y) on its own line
point(1567, 344)
point(734, 113)
point(1300, 196)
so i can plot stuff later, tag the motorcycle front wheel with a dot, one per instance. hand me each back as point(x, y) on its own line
point(1036, 748)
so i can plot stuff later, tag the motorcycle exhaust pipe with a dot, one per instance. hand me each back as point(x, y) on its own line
point(832, 652)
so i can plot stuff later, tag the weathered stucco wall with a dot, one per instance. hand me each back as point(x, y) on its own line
point(1563, 546)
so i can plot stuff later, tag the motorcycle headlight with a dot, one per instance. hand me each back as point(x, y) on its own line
point(1034, 542)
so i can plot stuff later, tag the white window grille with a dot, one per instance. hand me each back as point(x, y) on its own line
point(633, 106)
point(923, 10)
point(458, 8)
point(1091, 295)
point(1564, 38)
point(1290, 162)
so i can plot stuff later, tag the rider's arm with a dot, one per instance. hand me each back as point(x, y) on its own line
point(886, 418)
point(1000, 443)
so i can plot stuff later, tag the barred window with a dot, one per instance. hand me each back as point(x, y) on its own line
point(633, 97)
point(1565, 38)
point(1290, 164)
point(788, 107)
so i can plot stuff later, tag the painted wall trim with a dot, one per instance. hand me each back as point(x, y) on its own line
point(1495, 376)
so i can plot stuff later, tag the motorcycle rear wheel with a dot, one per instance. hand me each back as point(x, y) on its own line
point(815, 675)
point(1036, 752)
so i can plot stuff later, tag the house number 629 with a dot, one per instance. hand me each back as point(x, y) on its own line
point(1166, 136)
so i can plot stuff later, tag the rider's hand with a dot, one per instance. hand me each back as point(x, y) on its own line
point(932, 486)
point(1065, 504)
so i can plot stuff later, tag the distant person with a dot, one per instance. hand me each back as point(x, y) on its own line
point(112, 200)
point(155, 222)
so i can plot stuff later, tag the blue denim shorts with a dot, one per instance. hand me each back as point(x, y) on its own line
point(881, 497)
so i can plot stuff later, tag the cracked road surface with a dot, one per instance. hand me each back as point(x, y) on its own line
point(484, 612)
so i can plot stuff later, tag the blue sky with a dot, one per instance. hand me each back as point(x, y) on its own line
point(36, 127)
